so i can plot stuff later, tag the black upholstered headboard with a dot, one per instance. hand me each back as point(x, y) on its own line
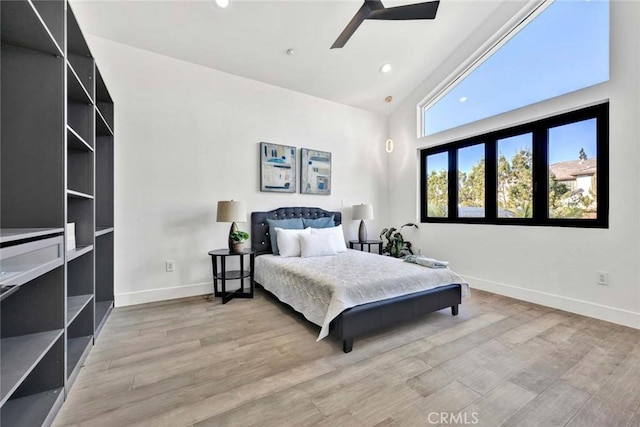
point(260, 241)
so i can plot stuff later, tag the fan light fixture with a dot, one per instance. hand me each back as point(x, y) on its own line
point(222, 3)
point(388, 144)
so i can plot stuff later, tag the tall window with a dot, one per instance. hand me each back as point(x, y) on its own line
point(549, 172)
point(563, 49)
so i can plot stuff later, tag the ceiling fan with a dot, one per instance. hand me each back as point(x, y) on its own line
point(373, 9)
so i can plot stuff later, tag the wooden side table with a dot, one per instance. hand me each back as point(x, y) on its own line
point(368, 243)
point(223, 275)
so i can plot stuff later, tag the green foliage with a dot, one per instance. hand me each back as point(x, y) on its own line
point(471, 186)
point(239, 236)
point(515, 190)
point(582, 155)
point(438, 193)
point(396, 246)
point(515, 184)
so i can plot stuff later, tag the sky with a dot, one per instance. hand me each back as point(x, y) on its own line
point(564, 49)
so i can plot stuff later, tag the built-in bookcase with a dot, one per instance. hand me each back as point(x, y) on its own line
point(103, 201)
point(56, 168)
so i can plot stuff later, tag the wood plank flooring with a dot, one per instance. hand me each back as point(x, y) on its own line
point(256, 363)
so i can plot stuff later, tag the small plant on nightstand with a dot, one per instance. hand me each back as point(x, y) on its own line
point(237, 238)
point(396, 246)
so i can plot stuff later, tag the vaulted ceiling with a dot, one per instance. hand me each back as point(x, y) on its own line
point(251, 39)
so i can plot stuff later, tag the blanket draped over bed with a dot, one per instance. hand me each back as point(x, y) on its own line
point(323, 287)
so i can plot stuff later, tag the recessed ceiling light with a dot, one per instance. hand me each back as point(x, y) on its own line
point(291, 52)
point(222, 3)
point(385, 68)
point(463, 99)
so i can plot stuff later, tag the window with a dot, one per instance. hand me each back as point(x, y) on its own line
point(563, 49)
point(549, 172)
point(437, 166)
point(514, 176)
point(471, 181)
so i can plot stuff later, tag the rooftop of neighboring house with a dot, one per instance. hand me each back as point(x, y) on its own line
point(569, 170)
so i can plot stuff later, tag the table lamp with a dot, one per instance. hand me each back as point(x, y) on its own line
point(231, 211)
point(362, 212)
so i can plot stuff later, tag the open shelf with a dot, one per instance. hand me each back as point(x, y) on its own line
point(20, 355)
point(33, 410)
point(102, 127)
point(76, 90)
point(76, 348)
point(79, 195)
point(15, 234)
point(76, 44)
point(25, 262)
point(102, 309)
point(23, 26)
point(78, 251)
point(75, 304)
point(104, 102)
point(103, 231)
point(76, 142)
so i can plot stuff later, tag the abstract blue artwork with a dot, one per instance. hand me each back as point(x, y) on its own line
point(277, 168)
point(315, 172)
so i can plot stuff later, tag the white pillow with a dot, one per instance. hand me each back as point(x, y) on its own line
point(313, 245)
point(288, 243)
point(335, 234)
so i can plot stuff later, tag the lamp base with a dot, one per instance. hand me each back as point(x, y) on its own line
point(234, 227)
point(362, 232)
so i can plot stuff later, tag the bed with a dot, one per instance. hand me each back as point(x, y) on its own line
point(316, 285)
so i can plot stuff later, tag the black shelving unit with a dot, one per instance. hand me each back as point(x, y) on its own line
point(57, 124)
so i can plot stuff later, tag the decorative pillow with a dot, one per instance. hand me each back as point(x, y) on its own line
point(287, 224)
point(335, 234)
point(323, 222)
point(313, 245)
point(288, 242)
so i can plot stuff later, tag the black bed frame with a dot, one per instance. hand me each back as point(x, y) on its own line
point(366, 318)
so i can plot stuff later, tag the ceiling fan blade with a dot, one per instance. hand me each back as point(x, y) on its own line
point(411, 11)
point(352, 26)
point(374, 4)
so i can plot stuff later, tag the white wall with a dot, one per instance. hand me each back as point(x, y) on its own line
point(188, 136)
point(551, 266)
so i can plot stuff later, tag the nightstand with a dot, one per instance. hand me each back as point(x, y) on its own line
point(223, 275)
point(367, 243)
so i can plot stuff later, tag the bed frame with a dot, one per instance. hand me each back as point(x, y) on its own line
point(366, 318)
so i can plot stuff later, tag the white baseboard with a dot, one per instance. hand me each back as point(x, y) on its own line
point(585, 308)
point(162, 294)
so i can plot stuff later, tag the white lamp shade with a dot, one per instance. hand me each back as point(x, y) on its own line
point(362, 212)
point(231, 211)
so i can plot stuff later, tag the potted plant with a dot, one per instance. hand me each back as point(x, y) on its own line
point(396, 246)
point(237, 239)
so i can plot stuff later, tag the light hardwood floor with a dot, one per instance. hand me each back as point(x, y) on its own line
point(256, 363)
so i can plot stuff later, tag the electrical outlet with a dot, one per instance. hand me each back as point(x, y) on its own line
point(602, 278)
point(170, 266)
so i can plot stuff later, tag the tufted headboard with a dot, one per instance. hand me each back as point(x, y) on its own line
point(260, 241)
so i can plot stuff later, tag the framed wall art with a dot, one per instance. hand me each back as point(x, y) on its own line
point(277, 168)
point(315, 172)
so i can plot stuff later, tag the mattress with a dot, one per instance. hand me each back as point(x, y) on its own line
point(323, 287)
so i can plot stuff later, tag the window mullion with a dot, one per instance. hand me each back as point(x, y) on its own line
point(540, 174)
point(453, 183)
point(490, 180)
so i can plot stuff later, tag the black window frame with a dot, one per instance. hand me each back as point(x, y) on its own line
point(540, 155)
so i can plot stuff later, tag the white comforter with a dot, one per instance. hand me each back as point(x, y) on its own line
point(322, 287)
